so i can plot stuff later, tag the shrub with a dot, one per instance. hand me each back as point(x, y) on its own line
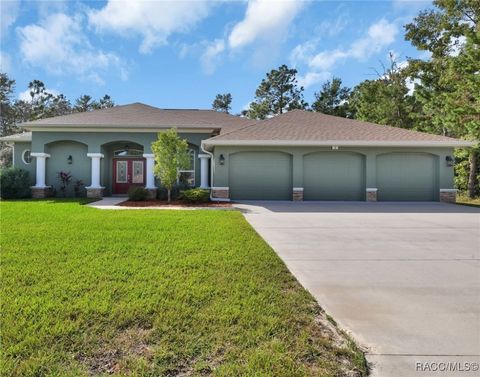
point(65, 177)
point(137, 193)
point(14, 183)
point(195, 195)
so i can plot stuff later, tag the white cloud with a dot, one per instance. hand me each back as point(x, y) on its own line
point(9, 14)
point(264, 19)
point(25, 95)
point(312, 78)
point(378, 36)
point(210, 57)
point(59, 45)
point(5, 62)
point(154, 21)
point(326, 59)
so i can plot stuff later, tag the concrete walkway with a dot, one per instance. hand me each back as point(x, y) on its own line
point(403, 278)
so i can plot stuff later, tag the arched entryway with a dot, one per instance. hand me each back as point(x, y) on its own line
point(125, 166)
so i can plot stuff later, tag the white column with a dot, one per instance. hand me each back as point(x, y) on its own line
point(95, 170)
point(150, 177)
point(41, 157)
point(204, 170)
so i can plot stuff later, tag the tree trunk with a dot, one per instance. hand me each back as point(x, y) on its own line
point(472, 177)
point(169, 196)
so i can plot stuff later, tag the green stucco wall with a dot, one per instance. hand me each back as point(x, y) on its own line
point(443, 173)
point(18, 149)
point(62, 144)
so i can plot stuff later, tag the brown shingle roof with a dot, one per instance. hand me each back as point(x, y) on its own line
point(23, 136)
point(138, 115)
point(299, 127)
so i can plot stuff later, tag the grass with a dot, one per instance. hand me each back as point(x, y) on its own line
point(465, 200)
point(154, 293)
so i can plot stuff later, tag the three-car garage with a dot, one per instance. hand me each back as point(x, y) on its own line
point(333, 176)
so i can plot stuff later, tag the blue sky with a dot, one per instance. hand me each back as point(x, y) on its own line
point(180, 54)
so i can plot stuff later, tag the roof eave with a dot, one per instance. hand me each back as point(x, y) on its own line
point(132, 128)
point(340, 143)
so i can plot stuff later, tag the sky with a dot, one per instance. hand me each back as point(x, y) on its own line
point(180, 54)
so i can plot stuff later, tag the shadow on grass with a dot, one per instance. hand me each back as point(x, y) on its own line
point(80, 201)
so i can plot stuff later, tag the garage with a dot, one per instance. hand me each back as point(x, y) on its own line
point(407, 177)
point(260, 176)
point(334, 176)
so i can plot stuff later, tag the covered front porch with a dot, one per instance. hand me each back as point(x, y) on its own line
point(108, 164)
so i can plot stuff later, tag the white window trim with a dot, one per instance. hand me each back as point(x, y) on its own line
point(23, 156)
point(190, 151)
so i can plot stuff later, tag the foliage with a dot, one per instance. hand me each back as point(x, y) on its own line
point(6, 157)
point(195, 195)
point(152, 293)
point(104, 103)
point(65, 177)
point(449, 84)
point(171, 155)
point(78, 188)
point(222, 102)
point(277, 93)
point(332, 99)
point(137, 193)
point(385, 100)
point(14, 183)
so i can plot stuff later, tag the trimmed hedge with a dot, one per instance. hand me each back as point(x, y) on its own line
point(14, 184)
point(137, 193)
point(195, 195)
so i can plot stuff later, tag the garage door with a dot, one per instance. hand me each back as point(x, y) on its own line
point(260, 175)
point(406, 176)
point(334, 176)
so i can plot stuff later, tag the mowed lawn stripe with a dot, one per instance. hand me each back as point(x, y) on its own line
point(152, 293)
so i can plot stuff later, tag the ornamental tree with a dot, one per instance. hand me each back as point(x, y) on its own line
point(171, 156)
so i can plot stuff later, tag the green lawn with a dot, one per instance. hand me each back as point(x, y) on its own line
point(154, 293)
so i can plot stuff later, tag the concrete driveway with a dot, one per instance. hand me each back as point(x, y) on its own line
point(403, 278)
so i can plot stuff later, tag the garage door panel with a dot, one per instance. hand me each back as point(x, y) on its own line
point(334, 176)
point(406, 177)
point(260, 176)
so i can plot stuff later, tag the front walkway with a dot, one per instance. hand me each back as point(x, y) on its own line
point(404, 278)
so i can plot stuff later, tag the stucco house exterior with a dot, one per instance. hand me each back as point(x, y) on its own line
point(299, 155)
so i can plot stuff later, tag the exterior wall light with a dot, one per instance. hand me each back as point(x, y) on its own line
point(334, 147)
point(70, 160)
point(449, 160)
point(221, 159)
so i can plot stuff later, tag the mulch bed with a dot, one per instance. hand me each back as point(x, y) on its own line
point(173, 203)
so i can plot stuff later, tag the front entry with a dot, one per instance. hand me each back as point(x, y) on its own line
point(127, 172)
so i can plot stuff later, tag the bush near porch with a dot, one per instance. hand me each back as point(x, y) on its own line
point(158, 293)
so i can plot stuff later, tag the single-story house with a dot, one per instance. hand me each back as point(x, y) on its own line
point(298, 155)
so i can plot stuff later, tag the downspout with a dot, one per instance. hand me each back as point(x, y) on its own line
point(212, 171)
point(212, 167)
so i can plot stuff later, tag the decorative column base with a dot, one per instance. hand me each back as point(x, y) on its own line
point(95, 192)
point(152, 193)
point(221, 193)
point(41, 192)
point(448, 195)
point(372, 194)
point(297, 195)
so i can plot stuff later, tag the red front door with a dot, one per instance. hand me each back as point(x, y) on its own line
point(127, 172)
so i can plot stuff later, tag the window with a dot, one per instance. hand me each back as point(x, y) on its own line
point(26, 157)
point(128, 152)
point(187, 176)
